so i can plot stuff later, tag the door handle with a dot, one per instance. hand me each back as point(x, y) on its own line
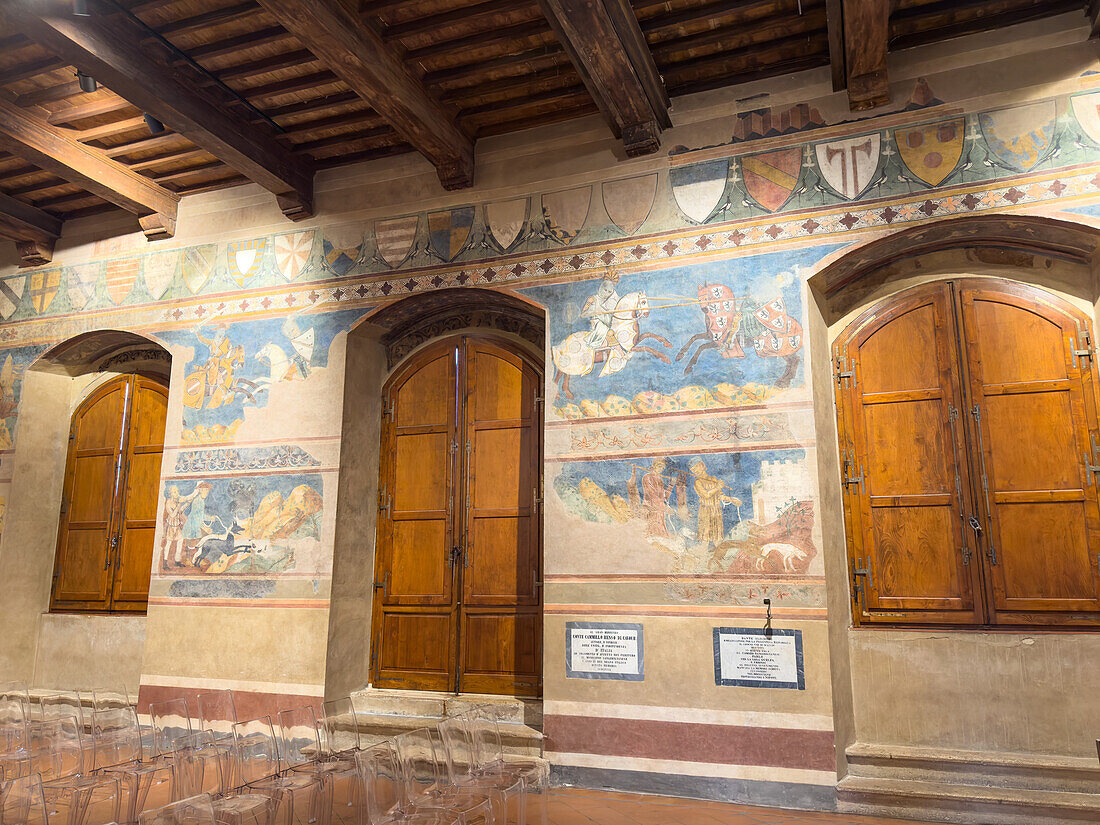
point(976, 525)
point(113, 545)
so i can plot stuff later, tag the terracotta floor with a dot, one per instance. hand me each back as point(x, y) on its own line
point(570, 806)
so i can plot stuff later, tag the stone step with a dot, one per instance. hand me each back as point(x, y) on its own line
point(515, 739)
point(949, 802)
point(432, 704)
point(1025, 771)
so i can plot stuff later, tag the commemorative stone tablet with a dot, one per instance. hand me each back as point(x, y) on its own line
point(602, 650)
point(753, 657)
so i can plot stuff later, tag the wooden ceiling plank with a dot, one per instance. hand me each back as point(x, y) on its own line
point(433, 22)
point(468, 70)
point(343, 137)
point(359, 56)
point(284, 60)
point(300, 107)
point(227, 14)
point(290, 85)
point(138, 145)
point(109, 129)
point(29, 70)
point(34, 231)
point(609, 52)
point(711, 12)
point(738, 36)
point(231, 45)
point(480, 40)
point(56, 152)
point(866, 39)
point(358, 117)
point(109, 46)
point(104, 105)
point(909, 32)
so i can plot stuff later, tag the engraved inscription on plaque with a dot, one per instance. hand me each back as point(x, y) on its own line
point(602, 650)
point(751, 657)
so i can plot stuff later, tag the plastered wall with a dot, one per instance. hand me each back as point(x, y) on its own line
point(690, 469)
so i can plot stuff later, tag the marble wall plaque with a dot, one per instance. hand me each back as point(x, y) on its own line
point(602, 650)
point(753, 657)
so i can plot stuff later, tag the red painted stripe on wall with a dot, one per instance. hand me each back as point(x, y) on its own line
point(691, 742)
point(249, 704)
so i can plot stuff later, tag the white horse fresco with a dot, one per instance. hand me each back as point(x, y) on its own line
point(576, 355)
point(282, 367)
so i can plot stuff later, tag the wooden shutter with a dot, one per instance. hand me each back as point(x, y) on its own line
point(138, 509)
point(501, 634)
point(416, 610)
point(1033, 420)
point(82, 575)
point(906, 485)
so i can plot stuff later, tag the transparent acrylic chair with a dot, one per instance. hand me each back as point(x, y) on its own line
point(73, 796)
point(118, 753)
point(384, 791)
point(217, 713)
point(490, 760)
point(428, 784)
point(307, 748)
point(460, 748)
point(22, 801)
point(200, 764)
point(171, 720)
point(194, 810)
point(340, 729)
point(300, 798)
point(63, 703)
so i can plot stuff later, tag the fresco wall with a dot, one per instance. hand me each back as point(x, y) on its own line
point(680, 452)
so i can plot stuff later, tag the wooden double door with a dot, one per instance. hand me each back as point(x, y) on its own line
point(968, 435)
point(458, 599)
point(109, 505)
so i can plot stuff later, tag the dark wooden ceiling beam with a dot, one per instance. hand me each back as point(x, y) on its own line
point(531, 60)
point(232, 45)
point(609, 52)
point(227, 14)
point(864, 34)
point(433, 22)
point(482, 40)
point(34, 231)
point(103, 105)
point(358, 55)
point(1093, 12)
point(54, 151)
point(740, 36)
point(25, 71)
point(115, 48)
point(263, 65)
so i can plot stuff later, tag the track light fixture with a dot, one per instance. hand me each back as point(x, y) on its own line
point(80, 8)
point(155, 126)
point(86, 81)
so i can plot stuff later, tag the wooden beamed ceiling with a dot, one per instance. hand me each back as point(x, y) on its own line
point(270, 91)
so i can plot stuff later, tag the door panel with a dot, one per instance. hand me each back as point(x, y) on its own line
point(1032, 415)
point(502, 536)
point(908, 488)
point(144, 451)
point(82, 567)
point(458, 604)
point(416, 614)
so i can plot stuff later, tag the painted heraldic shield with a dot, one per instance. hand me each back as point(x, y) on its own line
point(198, 265)
point(43, 288)
point(698, 187)
point(395, 237)
point(449, 230)
point(771, 177)
point(1086, 108)
point(1020, 136)
point(292, 251)
point(931, 152)
point(245, 258)
point(506, 219)
point(82, 281)
point(628, 201)
point(849, 165)
point(121, 275)
point(566, 212)
point(11, 294)
point(160, 271)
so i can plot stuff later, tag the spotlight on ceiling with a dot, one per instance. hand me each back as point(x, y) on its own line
point(87, 82)
point(80, 8)
point(155, 126)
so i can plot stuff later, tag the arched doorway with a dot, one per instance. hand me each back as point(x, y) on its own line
point(967, 413)
point(110, 497)
point(457, 591)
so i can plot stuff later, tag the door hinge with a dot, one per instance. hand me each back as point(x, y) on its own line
point(844, 369)
point(965, 554)
point(1091, 468)
point(374, 654)
point(860, 571)
point(385, 502)
point(387, 409)
point(64, 505)
point(1087, 350)
point(849, 465)
point(384, 585)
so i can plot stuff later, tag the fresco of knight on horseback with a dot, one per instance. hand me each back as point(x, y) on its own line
point(612, 339)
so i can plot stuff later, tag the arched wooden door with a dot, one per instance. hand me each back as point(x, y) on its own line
point(109, 504)
point(458, 601)
point(969, 440)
